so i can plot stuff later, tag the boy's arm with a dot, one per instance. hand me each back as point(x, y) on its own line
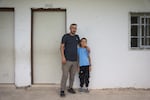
point(90, 63)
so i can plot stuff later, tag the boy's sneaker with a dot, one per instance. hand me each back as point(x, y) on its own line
point(81, 89)
point(71, 90)
point(87, 90)
point(62, 94)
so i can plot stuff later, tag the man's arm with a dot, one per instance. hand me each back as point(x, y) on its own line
point(62, 48)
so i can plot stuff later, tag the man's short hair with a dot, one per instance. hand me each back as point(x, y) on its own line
point(73, 24)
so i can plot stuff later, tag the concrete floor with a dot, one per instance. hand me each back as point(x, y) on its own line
point(52, 93)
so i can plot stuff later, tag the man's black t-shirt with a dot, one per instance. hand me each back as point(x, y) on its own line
point(71, 43)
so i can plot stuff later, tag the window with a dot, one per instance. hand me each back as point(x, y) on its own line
point(140, 30)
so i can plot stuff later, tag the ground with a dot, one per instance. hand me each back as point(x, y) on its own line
point(52, 93)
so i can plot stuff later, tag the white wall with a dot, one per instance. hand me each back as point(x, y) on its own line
point(106, 25)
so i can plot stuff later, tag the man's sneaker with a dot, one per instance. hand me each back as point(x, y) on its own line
point(71, 90)
point(81, 89)
point(62, 94)
point(87, 90)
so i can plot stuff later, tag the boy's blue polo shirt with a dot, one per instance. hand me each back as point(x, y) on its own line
point(83, 57)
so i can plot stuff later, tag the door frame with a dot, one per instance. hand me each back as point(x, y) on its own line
point(7, 9)
point(32, 18)
point(10, 9)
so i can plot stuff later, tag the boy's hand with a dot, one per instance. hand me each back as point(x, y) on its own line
point(90, 69)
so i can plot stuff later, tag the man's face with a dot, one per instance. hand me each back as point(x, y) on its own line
point(73, 29)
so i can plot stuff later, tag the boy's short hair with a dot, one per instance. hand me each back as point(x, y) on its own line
point(83, 39)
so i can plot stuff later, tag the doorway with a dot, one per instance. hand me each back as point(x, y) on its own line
point(48, 26)
point(7, 70)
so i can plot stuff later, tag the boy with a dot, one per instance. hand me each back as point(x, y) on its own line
point(85, 65)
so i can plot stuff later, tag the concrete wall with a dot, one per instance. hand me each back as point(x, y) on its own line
point(106, 25)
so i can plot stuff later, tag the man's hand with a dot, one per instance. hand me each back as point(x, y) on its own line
point(63, 60)
point(88, 49)
point(78, 69)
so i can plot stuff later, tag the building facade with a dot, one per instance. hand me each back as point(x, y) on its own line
point(117, 31)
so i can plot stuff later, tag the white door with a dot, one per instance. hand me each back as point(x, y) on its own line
point(6, 47)
point(48, 28)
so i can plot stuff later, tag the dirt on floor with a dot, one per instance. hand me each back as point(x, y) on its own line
point(52, 93)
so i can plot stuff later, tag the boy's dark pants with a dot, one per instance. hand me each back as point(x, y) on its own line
point(84, 76)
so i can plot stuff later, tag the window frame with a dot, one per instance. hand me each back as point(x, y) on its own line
point(139, 25)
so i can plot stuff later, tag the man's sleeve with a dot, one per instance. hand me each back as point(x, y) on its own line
point(63, 40)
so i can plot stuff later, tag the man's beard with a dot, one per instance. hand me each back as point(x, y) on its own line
point(73, 32)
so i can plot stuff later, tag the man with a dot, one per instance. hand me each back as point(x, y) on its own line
point(68, 47)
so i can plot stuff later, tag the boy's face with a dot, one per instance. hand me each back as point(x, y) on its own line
point(83, 43)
